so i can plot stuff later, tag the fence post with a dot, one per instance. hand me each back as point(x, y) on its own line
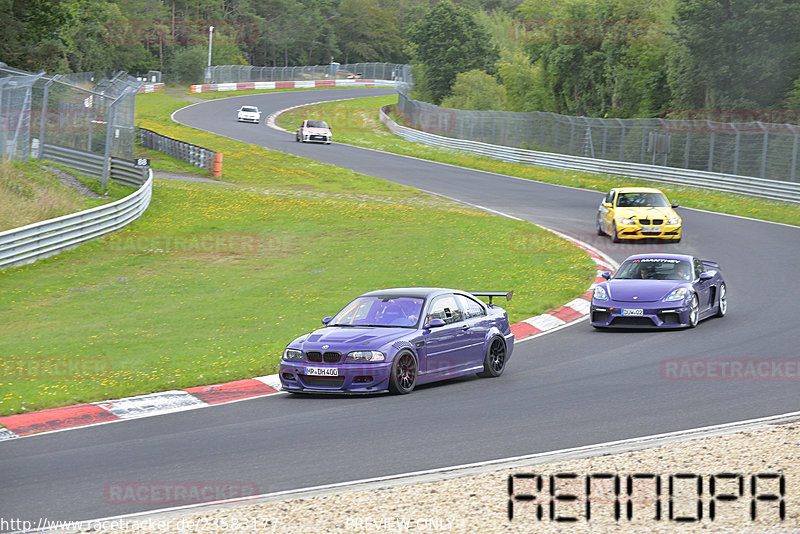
point(110, 126)
point(764, 151)
point(687, 149)
point(736, 149)
point(711, 148)
point(794, 156)
point(43, 118)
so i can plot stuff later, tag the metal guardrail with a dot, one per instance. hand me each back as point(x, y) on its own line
point(27, 244)
point(760, 187)
point(120, 170)
point(196, 155)
point(245, 73)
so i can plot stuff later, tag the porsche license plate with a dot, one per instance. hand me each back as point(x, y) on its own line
point(651, 228)
point(322, 371)
point(632, 311)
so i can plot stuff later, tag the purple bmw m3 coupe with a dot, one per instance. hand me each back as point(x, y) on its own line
point(394, 339)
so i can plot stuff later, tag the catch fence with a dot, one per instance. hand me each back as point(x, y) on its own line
point(755, 149)
point(333, 71)
point(63, 113)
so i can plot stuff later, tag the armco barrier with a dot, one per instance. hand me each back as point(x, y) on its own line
point(121, 170)
point(304, 84)
point(27, 244)
point(760, 187)
point(196, 155)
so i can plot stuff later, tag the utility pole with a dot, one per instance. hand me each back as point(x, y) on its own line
point(210, 39)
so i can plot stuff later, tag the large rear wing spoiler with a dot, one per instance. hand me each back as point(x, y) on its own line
point(708, 263)
point(490, 294)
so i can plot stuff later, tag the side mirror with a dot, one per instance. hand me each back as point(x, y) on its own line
point(674, 204)
point(327, 320)
point(606, 275)
point(706, 276)
point(606, 204)
point(435, 323)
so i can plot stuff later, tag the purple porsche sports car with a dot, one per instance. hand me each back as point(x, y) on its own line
point(659, 290)
point(394, 339)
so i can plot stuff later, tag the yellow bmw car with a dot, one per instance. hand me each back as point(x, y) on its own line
point(638, 213)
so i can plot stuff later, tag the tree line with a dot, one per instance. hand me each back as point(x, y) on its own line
point(597, 58)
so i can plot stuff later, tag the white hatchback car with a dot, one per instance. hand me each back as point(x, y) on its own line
point(314, 131)
point(249, 114)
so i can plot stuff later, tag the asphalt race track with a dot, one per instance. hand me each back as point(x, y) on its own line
point(574, 387)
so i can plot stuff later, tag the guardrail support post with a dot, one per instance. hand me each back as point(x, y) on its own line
point(43, 118)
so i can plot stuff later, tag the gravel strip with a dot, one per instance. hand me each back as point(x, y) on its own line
point(184, 177)
point(72, 181)
point(480, 503)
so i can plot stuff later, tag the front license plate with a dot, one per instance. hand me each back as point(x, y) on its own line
point(632, 311)
point(322, 371)
point(651, 228)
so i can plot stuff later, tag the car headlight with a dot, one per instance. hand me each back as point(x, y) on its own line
point(600, 293)
point(366, 356)
point(674, 220)
point(292, 354)
point(677, 294)
point(624, 220)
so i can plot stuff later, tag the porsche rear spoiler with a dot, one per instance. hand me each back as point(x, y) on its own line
point(490, 294)
point(713, 264)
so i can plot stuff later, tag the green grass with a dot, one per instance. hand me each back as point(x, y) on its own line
point(30, 193)
point(213, 281)
point(356, 122)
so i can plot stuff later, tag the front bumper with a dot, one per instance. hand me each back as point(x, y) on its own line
point(254, 120)
point(317, 138)
point(350, 378)
point(638, 231)
point(610, 314)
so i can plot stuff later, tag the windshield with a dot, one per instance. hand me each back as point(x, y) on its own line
point(641, 200)
point(654, 269)
point(380, 311)
point(316, 124)
point(250, 109)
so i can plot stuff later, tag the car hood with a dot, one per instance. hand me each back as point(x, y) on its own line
point(344, 339)
point(646, 213)
point(317, 130)
point(249, 113)
point(641, 290)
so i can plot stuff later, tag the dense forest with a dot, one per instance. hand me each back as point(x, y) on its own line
point(599, 58)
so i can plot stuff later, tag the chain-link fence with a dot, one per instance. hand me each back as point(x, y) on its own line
point(246, 73)
point(37, 111)
point(755, 149)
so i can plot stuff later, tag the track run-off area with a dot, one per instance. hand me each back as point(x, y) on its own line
point(574, 387)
